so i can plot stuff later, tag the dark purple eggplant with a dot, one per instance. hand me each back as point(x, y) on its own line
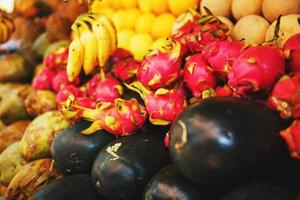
point(124, 166)
point(225, 141)
point(74, 152)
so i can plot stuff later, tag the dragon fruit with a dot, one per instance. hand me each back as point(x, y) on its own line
point(121, 117)
point(86, 102)
point(202, 30)
point(198, 75)
point(126, 70)
point(163, 105)
point(223, 91)
point(57, 59)
point(285, 96)
point(291, 135)
point(43, 80)
point(103, 88)
point(119, 55)
point(61, 79)
point(161, 68)
point(257, 69)
point(67, 91)
point(221, 55)
point(292, 51)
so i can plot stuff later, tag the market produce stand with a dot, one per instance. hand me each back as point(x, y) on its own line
point(153, 100)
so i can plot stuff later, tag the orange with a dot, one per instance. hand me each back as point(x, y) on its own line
point(144, 23)
point(178, 7)
point(139, 45)
point(97, 5)
point(116, 4)
point(118, 18)
point(145, 5)
point(131, 16)
point(129, 3)
point(107, 11)
point(159, 6)
point(163, 25)
point(124, 37)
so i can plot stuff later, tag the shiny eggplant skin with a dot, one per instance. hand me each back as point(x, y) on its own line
point(74, 152)
point(225, 141)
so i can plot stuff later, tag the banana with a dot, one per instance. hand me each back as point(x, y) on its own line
point(107, 22)
point(103, 40)
point(75, 57)
point(4, 32)
point(89, 41)
point(8, 22)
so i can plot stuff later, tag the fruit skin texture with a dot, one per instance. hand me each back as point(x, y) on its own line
point(163, 105)
point(120, 118)
point(39, 102)
point(57, 59)
point(11, 162)
point(40, 134)
point(61, 79)
point(32, 177)
point(199, 31)
point(160, 68)
point(292, 50)
point(230, 146)
point(120, 54)
point(285, 97)
point(197, 75)
point(126, 70)
point(66, 91)
point(43, 81)
point(291, 135)
point(256, 69)
point(108, 89)
point(221, 55)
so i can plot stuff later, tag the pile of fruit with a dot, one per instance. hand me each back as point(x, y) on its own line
point(203, 115)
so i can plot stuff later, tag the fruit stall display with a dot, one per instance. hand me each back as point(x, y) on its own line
point(143, 99)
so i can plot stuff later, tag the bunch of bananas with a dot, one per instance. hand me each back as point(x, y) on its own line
point(6, 27)
point(95, 39)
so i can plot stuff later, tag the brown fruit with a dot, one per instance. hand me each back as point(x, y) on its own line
point(32, 177)
point(12, 133)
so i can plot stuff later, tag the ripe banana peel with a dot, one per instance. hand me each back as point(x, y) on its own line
point(6, 27)
point(95, 39)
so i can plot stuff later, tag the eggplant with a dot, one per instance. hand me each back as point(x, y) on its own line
point(123, 168)
point(169, 183)
point(73, 187)
point(261, 191)
point(74, 152)
point(225, 141)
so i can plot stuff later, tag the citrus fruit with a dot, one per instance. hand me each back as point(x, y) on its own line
point(159, 7)
point(129, 3)
point(178, 7)
point(144, 23)
point(131, 16)
point(162, 25)
point(145, 5)
point(118, 18)
point(124, 36)
point(139, 45)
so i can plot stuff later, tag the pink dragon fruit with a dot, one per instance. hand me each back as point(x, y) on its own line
point(223, 91)
point(160, 68)
point(68, 90)
point(121, 117)
point(291, 135)
point(221, 55)
point(126, 70)
point(61, 79)
point(197, 33)
point(163, 106)
point(103, 88)
point(257, 69)
point(57, 59)
point(292, 51)
point(119, 55)
point(198, 75)
point(285, 96)
point(86, 102)
point(43, 80)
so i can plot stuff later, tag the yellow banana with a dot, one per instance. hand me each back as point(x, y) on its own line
point(4, 32)
point(75, 57)
point(107, 22)
point(89, 41)
point(10, 26)
point(103, 40)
